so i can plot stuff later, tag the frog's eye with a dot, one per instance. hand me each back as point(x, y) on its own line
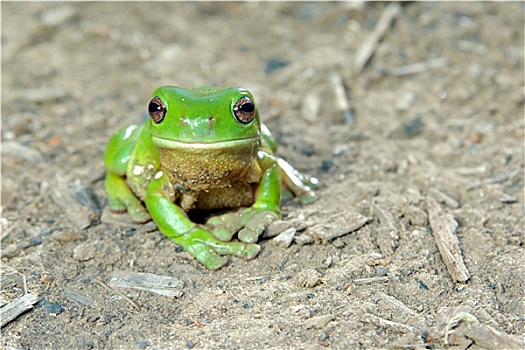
point(244, 110)
point(157, 109)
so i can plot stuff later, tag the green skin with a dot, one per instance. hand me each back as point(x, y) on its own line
point(201, 156)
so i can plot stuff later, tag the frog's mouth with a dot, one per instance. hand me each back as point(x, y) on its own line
point(217, 145)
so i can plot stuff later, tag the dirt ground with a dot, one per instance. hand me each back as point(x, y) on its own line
point(437, 112)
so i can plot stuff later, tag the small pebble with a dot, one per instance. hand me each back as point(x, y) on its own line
point(323, 336)
point(381, 271)
point(413, 127)
point(58, 15)
point(128, 232)
point(406, 101)
point(51, 308)
point(422, 284)
point(84, 252)
point(190, 344)
point(46, 232)
point(274, 64)
point(35, 241)
point(326, 165)
point(143, 344)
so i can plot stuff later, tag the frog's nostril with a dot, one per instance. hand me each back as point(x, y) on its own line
point(211, 121)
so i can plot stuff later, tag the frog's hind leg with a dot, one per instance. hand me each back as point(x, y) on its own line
point(301, 185)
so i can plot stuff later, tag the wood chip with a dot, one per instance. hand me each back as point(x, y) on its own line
point(318, 321)
point(388, 238)
point(39, 95)
point(371, 280)
point(444, 198)
point(385, 218)
point(15, 149)
point(279, 226)
point(303, 239)
point(386, 323)
point(444, 230)
point(311, 106)
point(162, 285)
point(419, 67)
point(494, 180)
point(341, 99)
point(337, 225)
point(396, 303)
point(490, 338)
point(76, 296)
point(285, 238)
point(57, 15)
point(14, 249)
point(16, 307)
point(78, 203)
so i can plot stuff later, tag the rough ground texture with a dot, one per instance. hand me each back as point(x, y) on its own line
point(451, 129)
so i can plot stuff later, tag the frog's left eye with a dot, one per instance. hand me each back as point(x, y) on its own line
point(157, 109)
point(244, 110)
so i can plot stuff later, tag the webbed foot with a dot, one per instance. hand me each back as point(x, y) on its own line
point(249, 223)
point(210, 251)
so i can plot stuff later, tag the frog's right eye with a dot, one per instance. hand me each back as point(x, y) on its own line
point(157, 109)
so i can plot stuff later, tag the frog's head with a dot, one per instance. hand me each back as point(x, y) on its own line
point(205, 135)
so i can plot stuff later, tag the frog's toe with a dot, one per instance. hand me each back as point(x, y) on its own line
point(256, 226)
point(222, 233)
point(206, 255)
point(235, 248)
point(312, 182)
point(213, 261)
point(139, 214)
point(251, 251)
point(116, 206)
point(308, 197)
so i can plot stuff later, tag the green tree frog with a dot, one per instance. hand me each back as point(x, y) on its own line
point(202, 149)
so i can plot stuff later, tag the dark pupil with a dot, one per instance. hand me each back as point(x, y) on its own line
point(153, 107)
point(247, 107)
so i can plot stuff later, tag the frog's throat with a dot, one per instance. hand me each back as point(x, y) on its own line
point(203, 166)
point(218, 145)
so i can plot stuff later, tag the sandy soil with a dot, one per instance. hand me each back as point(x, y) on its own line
point(435, 128)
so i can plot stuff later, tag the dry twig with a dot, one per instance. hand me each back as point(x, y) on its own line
point(444, 230)
point(371, 280)
point(369, 46)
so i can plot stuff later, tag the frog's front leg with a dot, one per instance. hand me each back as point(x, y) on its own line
point(301, 185)
point(197, 240)
point(251, 222)
point(116, 159)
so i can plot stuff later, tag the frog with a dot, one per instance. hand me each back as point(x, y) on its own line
point(202, 149)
